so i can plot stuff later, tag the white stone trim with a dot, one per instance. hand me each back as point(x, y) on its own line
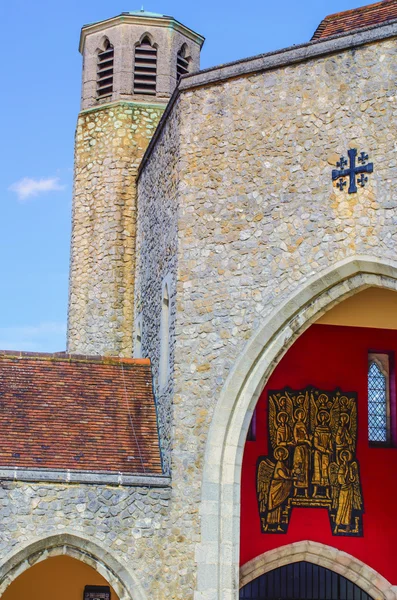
point(292, 55)
point(124, 583)
point(117, 479)
point(326, 556)
point(218, 553)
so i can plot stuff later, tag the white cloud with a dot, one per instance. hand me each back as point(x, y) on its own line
point(43, 337)
point(26, 187)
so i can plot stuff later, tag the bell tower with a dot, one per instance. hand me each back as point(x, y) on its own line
point(131, 66)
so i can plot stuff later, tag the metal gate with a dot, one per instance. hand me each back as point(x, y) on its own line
point(302, 581)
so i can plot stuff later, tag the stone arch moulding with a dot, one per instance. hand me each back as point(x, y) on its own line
point(340, 562)
point(101, 46)
point(125, 584)
point(217, 554)
point(148, 36)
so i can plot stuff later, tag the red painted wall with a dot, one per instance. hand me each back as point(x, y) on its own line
point(328, 356)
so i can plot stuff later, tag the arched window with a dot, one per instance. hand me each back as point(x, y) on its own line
point(164, 338)
point(182, 62)
point(378, 399)
point(145, 68)
point(105, 70)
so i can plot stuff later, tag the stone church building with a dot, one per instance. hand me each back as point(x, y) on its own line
point(223, 423)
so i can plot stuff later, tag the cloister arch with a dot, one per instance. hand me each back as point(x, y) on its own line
point(342, 563)
point(218, 552)
point(91, 553)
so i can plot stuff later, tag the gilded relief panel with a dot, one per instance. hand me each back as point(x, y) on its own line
point(312, 460)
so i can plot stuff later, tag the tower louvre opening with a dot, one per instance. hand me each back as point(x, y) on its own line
point(145, 68)
point(182, 63)
point(105, 71)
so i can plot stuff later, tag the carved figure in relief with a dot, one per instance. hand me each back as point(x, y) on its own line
point(346, 492)
point(284, 432)
point(274, 484)
point(280, 486)
point(285, 405)
point(322, 443)
point(343, 438)
point(281, 417)
point(301, 460)
point(311, 461)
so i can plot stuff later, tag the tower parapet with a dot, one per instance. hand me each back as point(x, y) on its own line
point(131, 66)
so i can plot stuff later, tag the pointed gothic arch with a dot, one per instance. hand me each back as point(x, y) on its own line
point(183, 61)
point(147, 37)
point(331, 558)
point(105, 69)
point(145, 66)
point(104, 43)
point(125, 583)
point(218, 552)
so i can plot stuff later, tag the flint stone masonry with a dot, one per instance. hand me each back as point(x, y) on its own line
point(110, 142)
point(132, 524)
point(157, 244)
point(251, 215)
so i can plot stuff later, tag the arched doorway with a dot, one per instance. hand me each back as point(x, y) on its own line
point(62, 577)
point(118, 576)
point(332, 559)
point(302, 581)
point(330, 357)
point(218, 554)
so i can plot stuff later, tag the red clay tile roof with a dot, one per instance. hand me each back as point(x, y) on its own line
point(78, 413)
point(342, 22)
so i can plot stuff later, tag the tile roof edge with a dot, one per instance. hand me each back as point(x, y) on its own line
point(66, 357)
point(358, 9)
point(345, 13)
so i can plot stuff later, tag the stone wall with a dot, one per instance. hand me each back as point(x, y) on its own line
point(257, 217)
point(110, 142)
point(131, 523)
point(157, 248)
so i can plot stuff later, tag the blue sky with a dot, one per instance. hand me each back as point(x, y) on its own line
point(39, 106)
